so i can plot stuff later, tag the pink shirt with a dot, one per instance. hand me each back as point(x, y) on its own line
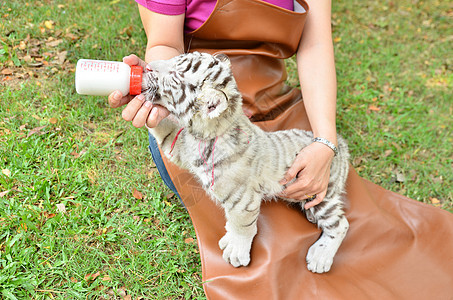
point(197, 11)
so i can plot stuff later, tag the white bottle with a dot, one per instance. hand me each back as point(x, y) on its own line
point(100, 77)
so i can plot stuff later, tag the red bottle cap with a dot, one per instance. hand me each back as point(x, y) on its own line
point(135, 86)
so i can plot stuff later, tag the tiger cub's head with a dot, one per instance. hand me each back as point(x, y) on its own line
point(197, 88)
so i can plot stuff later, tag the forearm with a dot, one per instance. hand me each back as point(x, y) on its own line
point(164, 42)
point(318, 81)
point(159, 52)
point(316, 68)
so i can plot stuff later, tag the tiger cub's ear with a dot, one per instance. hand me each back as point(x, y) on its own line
point(212, 102)
point(223, 58)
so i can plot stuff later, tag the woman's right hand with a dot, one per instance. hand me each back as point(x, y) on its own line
point(137, 110)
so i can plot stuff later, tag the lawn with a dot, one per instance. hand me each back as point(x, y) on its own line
point(83, 212)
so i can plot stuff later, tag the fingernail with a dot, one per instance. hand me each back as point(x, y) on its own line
point(148, 104)
point(117, 95)
point(140, 97)
point(283, 181)
point(154, 112)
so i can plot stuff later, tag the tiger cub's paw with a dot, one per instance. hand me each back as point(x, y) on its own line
point(320, 255)
point(236, 249)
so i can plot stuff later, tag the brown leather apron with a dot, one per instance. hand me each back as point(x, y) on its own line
point(396, 248)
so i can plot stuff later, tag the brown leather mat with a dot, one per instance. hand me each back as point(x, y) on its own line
point(396, 248)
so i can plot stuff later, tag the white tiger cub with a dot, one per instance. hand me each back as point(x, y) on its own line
point(236, 162)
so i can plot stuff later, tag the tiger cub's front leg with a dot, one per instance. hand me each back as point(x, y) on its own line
point(241, 228)
point(165, 134)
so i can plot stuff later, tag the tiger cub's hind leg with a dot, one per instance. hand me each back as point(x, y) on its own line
point(330, 218)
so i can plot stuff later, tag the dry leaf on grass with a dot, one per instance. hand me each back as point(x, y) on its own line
point(7, 71)
point(137, 195)
point(92, 277)
point(36, 130)
point(188, 240)
point(434, 201)
point(6, 172)
point(61, 208)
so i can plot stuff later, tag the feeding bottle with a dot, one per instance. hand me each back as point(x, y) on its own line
point(100, 77)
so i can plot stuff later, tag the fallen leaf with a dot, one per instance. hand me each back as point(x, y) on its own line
point(61, 208)
point(6, 172)
point(92, 277)
point(136, 218)
point(122, 292)
point(106, 278)
point(7, 71)
point(75, 154)
point(35, 130)
point(137, 195)
point(72, 36)
point(434, 201)
point(373, 108)
point(96, 275)
point(399, 177)
point(54, 43)
point(22, 45)
point(337, 39)
point(188, 240)
point(388, 152)
point(49, 24)
point(48, 216)
point(62, 57)
point(36, 65)
point(72, 279)
point(2, 194)
point(53, 120)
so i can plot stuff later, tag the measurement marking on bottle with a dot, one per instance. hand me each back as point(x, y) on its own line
point(100, 66)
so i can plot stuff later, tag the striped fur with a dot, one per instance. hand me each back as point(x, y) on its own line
point(237, 163)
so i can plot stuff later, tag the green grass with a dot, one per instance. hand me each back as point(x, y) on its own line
point(59, 148)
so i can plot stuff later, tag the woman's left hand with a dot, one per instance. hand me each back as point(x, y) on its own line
point(312, 171)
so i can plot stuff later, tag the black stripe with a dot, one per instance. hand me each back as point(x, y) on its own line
point(165, 138)
point(327, 214)
point(235, 203)
point(248, 204)
point(212, 64)
point(230, 193)
point(192, 88)
point(253, 222)
point(189, 65)
point(275, 136)
point(183, 95)
point(197, 65)
point(216, 75)
point(332, 226)
point(209, 149)
point(225, 81)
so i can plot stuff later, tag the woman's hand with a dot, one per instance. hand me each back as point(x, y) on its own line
point(137, 110)
point(312, 171)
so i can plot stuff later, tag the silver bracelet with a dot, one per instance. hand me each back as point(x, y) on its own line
point(327, 143)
